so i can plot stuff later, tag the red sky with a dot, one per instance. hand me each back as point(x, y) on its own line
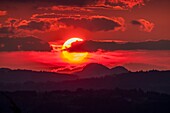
point(57, 20)
point(51, 61)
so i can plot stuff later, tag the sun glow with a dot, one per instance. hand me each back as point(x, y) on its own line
point(74, 57)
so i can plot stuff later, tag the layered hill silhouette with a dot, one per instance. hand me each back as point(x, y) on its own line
point(85, 101)
point(150, 81)
point(23, 44)
point(22, 76)
point(89, 71)
point(98, 70)
point(10, 80)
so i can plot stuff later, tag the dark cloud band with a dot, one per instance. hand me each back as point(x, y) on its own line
point(93, 46)
point(91, 24)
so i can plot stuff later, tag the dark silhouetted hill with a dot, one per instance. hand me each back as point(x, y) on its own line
point(23, 44)
point(148, 81)
point(85, 101)
point(22, 76)
point(92, 46)
point(98, 70)
point(119, 70)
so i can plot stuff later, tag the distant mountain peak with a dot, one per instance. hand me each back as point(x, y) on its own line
point(98, 70)
point(119, 70)
point(95, 66)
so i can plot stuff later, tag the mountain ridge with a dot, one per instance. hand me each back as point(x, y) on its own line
point(148, 81)
point(10, 76)
point(98, 70)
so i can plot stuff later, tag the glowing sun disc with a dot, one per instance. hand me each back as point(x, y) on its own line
point(73, 56)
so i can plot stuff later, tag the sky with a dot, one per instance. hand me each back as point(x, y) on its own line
point(51, 61)
point(55, 21)
point(58, 20)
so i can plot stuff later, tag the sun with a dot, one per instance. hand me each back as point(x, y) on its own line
point(74, 57)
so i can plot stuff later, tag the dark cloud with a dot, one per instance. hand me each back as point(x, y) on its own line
point(68, 69)
point(66, 8)
point(93, 46)
point(58, 2)
point(23, 44)
point(35, 25)
point(135, 22)
point(144, 25)
point(74, 2)
point(124, 4)
point(91, 24)
point(6, 30)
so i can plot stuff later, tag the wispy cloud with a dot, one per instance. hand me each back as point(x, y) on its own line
point(144, 25)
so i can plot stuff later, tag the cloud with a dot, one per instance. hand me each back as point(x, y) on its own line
point(12, 21)
point(48, 15)
point(87, 22)
point(144, 25)
point(65, 8)
point(34, 25)
point(9, 27)
point(23, 44)
point(67, 69)
point(16, 27)
point(53, 16)
point(95, 23)
point(121, 4)
point(135, 22)
point(58, 2)
point(92, 5)
point(6, 30)
point(118, 4)
point(2, 13)
point(93, 46)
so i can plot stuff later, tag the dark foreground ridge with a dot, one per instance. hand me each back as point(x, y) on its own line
point(84, 101)
point(43, 81)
